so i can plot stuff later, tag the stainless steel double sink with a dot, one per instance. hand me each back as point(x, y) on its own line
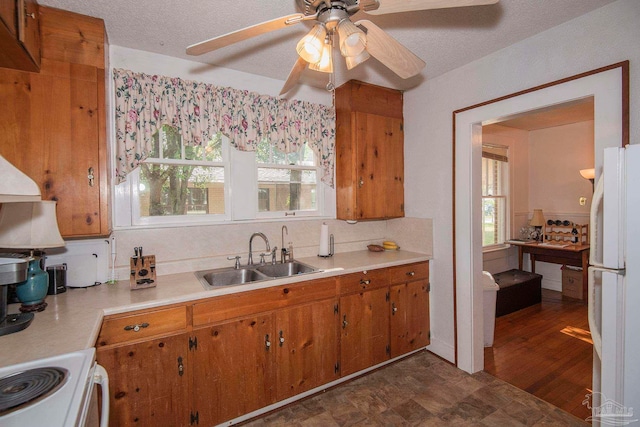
point(213, 279)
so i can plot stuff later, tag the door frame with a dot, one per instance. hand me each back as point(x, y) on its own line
point(610, 88)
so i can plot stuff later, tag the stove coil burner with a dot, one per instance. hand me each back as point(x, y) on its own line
point(28, 387)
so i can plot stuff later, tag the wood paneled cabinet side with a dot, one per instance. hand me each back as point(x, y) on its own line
point(369, 152)
point(148, 382)
point(54, 128)
point(20, 46)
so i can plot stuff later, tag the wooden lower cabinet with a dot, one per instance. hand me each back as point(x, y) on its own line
point(148, 382)
point(233, 369)
point(307, 347)
point(364, 322)
point(409, 317)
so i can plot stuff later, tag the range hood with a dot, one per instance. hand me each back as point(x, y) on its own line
point(15, 186)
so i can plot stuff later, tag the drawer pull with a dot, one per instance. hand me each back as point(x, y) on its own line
point(365, 281)
point(136, 328)
point(411, 273)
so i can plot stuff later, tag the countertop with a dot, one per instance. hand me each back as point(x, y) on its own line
point(72, 320)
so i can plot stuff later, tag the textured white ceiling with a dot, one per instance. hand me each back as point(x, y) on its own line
point(445, 39)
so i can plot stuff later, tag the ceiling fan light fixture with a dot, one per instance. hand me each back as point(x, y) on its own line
point(325, 64)
point(310, 47)
point(354, 61)
point(353, 40)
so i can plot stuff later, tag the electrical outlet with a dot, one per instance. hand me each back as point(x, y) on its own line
point(583, 201)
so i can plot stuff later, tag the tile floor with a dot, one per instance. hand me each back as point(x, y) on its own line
point(421, 390)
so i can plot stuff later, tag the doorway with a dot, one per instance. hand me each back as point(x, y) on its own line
point(609, 88)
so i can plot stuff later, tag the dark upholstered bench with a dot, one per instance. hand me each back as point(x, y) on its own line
point(518, 289)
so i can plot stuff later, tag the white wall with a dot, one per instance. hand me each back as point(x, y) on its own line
point(605, 36)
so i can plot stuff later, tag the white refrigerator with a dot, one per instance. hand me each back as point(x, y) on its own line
point(614, 289)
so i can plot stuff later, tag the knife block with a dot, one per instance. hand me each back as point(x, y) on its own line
point(143, 272)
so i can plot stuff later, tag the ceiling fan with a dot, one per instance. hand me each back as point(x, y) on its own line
point(357, 41)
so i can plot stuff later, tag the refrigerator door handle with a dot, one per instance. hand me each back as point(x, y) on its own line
point(596, 202)
point(596, 335)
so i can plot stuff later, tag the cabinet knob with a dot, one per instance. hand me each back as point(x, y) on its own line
point(365, 281)
point(90, 176)
point(344, 322)
point(360, 183)
point(411, 273)
point(393, 308)
point(267, 343)
point(281, 339)
point(180, 367)
point(137, 327)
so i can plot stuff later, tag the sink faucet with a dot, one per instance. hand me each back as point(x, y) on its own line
point(283, 254)
point(266, 241)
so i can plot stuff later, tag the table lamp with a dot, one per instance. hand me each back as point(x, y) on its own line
point(537, 221)
point(32, 226)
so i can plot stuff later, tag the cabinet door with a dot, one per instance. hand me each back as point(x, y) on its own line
point(364, 322)
point(409, 317)
point(52, 134)
point(380, 159)
point(233, 369)
point(306, 346)
point(146, 386)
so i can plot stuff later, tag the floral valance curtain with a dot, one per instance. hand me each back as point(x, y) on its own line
point(143, 103)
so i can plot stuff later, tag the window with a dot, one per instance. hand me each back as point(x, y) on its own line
point(183, 185)
point(287, 182)
point(180, 180)
point(495, 215)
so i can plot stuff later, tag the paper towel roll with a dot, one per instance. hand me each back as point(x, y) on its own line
point(324, 240)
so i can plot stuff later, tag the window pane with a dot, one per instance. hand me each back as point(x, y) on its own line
point(210, 151)
point(267, 153)
point(493, 220)
point(172, 143)
point(181, 190)
point(286, 190)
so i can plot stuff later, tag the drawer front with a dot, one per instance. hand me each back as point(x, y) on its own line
point(409, 272)
point(252, 302)
point(363, 281)
point(142, 325)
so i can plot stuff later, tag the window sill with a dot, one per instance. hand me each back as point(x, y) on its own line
point(495, 248)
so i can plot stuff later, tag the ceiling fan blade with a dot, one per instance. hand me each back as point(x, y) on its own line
point(390, 52)
point(244, 34)
point(294, 75)
point(395, 6)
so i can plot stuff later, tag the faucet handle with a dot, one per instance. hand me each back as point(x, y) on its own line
point(262, 255)
point(237, 258)
point(273, 254)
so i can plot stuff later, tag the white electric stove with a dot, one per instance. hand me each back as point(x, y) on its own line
point(53, 392)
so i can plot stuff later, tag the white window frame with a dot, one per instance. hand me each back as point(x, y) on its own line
point(506, 198)
point(241, 178)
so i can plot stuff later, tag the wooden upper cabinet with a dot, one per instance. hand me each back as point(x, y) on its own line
point(54, 124)
point(369, 152)
point(20, 35)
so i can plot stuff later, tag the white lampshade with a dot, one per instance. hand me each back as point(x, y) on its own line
point(29, 225)
point(352, 39)
point(325, 64)
point(310, 46)
point(15, 186)
point(538, 219)
point(354, 61)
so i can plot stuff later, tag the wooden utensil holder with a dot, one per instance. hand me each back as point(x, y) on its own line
point(143, 272)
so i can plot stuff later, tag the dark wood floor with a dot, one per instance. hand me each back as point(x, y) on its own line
point(546, 350)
